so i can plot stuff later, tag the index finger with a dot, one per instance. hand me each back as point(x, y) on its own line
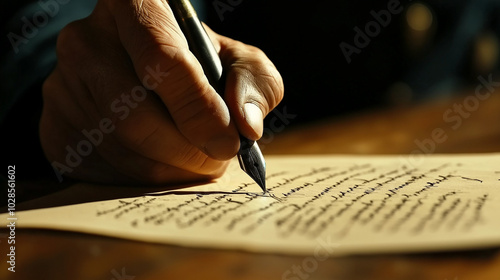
point(162, 60)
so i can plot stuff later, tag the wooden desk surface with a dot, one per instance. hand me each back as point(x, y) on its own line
point(395, 131)
point(42, 254)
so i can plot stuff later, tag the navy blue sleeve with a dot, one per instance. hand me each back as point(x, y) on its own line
point(31, 34)
point(27, 57)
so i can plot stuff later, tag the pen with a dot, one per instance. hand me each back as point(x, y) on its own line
point(249, 156)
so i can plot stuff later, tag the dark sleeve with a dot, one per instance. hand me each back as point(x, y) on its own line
point(27, 57)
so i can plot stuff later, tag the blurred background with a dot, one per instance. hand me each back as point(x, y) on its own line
point(337, 58)
point(424, 50)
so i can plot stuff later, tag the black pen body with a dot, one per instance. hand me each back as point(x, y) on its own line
point(249, 156)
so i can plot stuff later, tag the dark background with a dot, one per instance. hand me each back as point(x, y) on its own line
point(399, 66)
point(302, 39)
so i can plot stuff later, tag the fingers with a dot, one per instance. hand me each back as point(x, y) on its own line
point(140, 139)
point(157, 47)
point(129, 66)
point(129, 166)
point(158, 50)
point(130, 153)
point(253, 85)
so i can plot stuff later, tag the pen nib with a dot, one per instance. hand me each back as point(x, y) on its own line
point(252, 162)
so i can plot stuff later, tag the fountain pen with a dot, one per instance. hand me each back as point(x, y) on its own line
point(249, 156)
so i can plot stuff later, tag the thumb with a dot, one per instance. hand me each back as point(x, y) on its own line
point(254, 86)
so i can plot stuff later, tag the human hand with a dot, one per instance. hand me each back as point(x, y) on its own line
point(129, 103)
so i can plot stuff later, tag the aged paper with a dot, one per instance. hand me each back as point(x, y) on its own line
point(327, 205)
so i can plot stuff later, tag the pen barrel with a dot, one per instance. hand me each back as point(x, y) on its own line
point(249, 156)
point(203, 49)
point(199, 43)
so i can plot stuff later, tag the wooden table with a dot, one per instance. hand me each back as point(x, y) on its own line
point(43, 254)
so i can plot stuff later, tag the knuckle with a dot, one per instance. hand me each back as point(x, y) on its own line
point(274, 85)
point(271, 77)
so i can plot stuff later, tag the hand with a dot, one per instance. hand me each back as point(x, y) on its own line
point(129, 103)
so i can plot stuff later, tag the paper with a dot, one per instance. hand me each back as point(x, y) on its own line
point(330, 205)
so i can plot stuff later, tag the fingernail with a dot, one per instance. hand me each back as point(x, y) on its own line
point(254, 118)
point(222, 148)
